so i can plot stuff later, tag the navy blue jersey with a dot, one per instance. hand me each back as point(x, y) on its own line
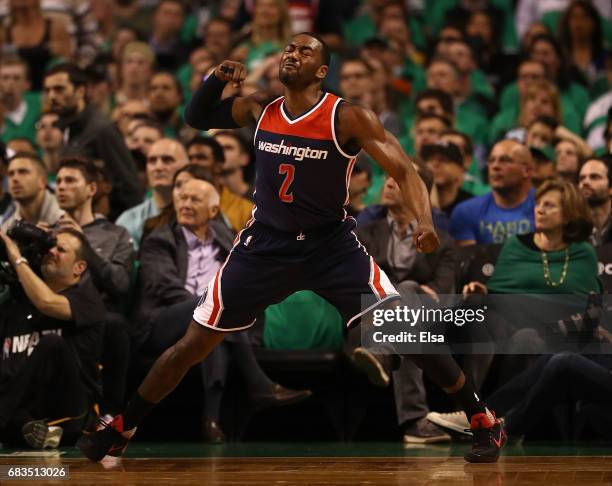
point(302, 172)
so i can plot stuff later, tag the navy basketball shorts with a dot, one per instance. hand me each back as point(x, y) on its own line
point(265, 266)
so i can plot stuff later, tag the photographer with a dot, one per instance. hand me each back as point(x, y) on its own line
point(109, 265)
point(52, 342)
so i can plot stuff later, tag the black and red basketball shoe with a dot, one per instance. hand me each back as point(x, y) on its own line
point(488, 437)
point(109, 440)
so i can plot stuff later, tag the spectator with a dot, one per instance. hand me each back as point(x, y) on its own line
point(135, 71)
point(100, 86)
point(428, 129)
point(389, 241)
point(165, 37)
point(177, 262)
point(361, 179)
point(570, 150)
point(168, 214)
point(356, 81)
point(32, 202)
point(192, 74)
point(5, 197)
point(594, 185)
point(270, 31)
point(217, 38)
point(35, 39)
point(446, 164)
point(64, 335)
point(237, 158)
point(597, 115)
point(22, 110)
point(505, 211)
point(109, 265)
point(541, 132)
point(529, 12)
point(165, 97)
point(581, 36)
point(545, 49)
point(543, 166)
point(541, 99)
point(208, 153)
point(165, 157)
point(129, 112)
point(90, 133)
point(24, 145)
point(444, 74)
point(472, 180)
point(143, 134)
point(49, 138)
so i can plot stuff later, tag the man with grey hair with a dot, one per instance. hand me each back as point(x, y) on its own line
point(177, 261)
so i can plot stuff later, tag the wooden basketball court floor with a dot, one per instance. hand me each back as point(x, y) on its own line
point(263, 464)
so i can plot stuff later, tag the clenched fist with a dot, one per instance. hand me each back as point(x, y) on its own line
point(231, 71)
point(425, 238)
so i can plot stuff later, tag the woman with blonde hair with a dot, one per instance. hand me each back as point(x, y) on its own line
point(270, 31)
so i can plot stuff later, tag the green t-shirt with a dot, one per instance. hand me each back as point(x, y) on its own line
point(304, 320)
point(26, 129)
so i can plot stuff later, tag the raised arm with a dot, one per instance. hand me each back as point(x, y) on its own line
point(207, 110)
point(361, 127)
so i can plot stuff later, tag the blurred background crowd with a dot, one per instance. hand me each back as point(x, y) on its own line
point(505, 106)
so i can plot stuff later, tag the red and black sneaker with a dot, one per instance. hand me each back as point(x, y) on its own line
point(106, 441)
point(488, 437)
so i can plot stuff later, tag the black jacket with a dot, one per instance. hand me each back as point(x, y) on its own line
point(93, 135)
point(436, 269)
point(163, 268)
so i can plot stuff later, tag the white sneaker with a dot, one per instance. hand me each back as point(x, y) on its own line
point(39, 435)
point(456, 421)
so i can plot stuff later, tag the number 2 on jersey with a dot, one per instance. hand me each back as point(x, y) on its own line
point(283, 192)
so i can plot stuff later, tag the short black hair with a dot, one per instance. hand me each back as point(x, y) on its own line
point(549, 121)
point(76, 75)
point(429, 116)
point(445, 100)
point(217, 150)
point(469, 146)
point(83, 252)
point(244, 146)
point(325, 51)
point(84, 165)
point(604, 159)
point(177, 83)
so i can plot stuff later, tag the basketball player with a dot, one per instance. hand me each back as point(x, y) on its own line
point(299, 236)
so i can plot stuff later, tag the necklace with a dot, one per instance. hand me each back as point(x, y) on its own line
point(546, 266)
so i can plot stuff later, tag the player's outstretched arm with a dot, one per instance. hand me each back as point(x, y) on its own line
point(363, 127)
point(206, 110)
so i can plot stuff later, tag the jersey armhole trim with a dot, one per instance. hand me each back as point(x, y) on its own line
point(263, 112)
point(333, 128)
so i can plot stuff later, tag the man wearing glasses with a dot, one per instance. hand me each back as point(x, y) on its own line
point(508, 208)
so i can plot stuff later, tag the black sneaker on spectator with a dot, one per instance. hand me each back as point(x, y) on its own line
point(377, 367)
point(39, 435)
point(424, 432)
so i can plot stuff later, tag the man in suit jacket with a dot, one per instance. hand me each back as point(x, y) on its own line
point(389, 241)
point(177, 262)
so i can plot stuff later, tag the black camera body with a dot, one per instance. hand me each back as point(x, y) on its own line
point(33, 242)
